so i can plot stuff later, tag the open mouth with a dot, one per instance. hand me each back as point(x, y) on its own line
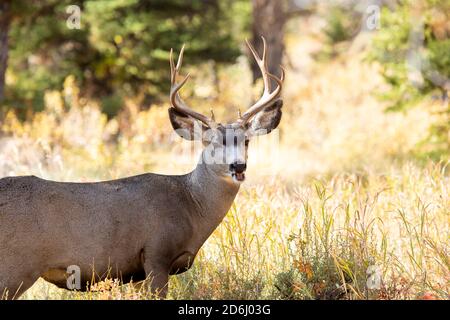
point(238, 176)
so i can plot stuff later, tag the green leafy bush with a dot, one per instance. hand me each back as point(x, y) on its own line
point(413, 50)
point(342, 23)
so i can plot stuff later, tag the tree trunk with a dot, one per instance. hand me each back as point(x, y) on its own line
point(5, 19)
point(269, 18)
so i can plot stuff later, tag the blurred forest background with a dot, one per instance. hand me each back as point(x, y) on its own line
point(360, 176)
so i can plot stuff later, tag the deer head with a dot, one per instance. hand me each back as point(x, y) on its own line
point(226, 144)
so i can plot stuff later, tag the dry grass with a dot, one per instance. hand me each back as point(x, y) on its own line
point(342, 194)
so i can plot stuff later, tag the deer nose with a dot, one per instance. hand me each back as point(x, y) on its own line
point(238, 167)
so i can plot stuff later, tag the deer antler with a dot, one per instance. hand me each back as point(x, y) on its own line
point(267, 96)
point(175, 98)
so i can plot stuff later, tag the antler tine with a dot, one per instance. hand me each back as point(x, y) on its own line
point(280, 80)
point(261, 62)
point(175, 98)
point(180, 58)
point(283, 73)
point(267, 96)
point(267, 83)
point(172, 67)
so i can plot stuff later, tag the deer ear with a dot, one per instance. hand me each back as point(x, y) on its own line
point(185, 126)
point(266, 120)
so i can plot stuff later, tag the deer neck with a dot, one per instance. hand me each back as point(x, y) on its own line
point(212, 194)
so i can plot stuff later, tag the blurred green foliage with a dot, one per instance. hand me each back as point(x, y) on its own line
point(342, 24)
point(415, 61)
point(121, 49)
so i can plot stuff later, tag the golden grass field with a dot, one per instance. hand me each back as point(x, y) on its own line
point(342, 192)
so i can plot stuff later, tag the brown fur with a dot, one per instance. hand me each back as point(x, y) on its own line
point(143, 226)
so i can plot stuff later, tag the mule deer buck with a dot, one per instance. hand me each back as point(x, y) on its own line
point(149, 225)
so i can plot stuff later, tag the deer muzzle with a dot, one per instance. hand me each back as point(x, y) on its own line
point(238, 171)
